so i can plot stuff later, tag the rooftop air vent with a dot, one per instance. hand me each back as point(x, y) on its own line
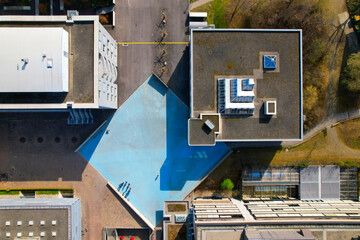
point(270, 108)
point(209, 124)
point(49, 63)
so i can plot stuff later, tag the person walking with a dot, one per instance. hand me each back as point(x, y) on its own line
point(120, 185)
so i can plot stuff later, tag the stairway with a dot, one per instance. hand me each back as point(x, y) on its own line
point(80, 116)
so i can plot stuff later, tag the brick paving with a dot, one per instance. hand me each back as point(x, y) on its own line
point(56, 165)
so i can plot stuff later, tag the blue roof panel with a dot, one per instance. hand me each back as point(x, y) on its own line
point(269, 62)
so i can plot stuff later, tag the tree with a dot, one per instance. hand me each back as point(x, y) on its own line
point(227, 184)
point(351, 77)
point(315, 52)
point(310, 97)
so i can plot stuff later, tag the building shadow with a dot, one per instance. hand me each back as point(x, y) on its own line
point(184, 163)
point(179, 81)
point(346, 99)
point(39, 146)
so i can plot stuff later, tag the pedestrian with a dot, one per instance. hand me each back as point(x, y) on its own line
point(120, 185)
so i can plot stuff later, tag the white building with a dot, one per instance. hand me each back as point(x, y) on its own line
point(53, 63)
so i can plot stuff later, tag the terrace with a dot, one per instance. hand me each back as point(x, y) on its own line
point(145, 144)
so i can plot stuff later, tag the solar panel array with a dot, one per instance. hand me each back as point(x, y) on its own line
point(232, 100)
point(303, 209)
point(215, 210)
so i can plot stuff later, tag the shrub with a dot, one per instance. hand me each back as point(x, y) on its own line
point(350, 78)
point(310, 98)
point(350, 164)
point(303, 164)
point(315, 52)
point(340, 163)
point(227, 184)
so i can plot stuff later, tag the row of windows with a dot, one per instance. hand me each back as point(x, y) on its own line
point(106, 47)
point(107, 87)
point(109, 97)
point(31, 223)
point(31, 234)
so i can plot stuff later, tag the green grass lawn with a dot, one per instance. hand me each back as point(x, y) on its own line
point(319, 150)
point(11, 192)
point(349, 133)
point(48, 192)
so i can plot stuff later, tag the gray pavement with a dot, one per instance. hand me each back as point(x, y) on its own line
point(139, 21)
point(244, 211)
point(52, 163)
point(198, 3)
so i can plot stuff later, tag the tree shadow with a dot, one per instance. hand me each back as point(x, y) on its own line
point(346, 100)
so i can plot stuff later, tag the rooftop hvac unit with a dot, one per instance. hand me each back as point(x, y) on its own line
point(71, 13)
point(209, 124)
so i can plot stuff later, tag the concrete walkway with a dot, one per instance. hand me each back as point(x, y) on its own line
point(327, 122)
point(198, 3)
point(245, 213)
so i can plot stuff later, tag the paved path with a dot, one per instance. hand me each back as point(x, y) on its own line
point(198, 3)
point(245, 213)
point(327, 122)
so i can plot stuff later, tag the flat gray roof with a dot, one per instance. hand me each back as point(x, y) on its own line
point(25, 216)
point(81, 65)
point(35, 215)
point(237, 53)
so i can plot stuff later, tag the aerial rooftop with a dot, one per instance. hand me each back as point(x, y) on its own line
point(39, 64)
point(248, 83)
point(81, 87)
point(55, 218)
point(54, 62)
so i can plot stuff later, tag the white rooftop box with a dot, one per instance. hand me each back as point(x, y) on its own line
point(270, 108)
point(34, 59)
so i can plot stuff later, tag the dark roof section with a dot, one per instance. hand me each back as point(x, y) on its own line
point(81, 66)
point(200, 133)
point(239, 53)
